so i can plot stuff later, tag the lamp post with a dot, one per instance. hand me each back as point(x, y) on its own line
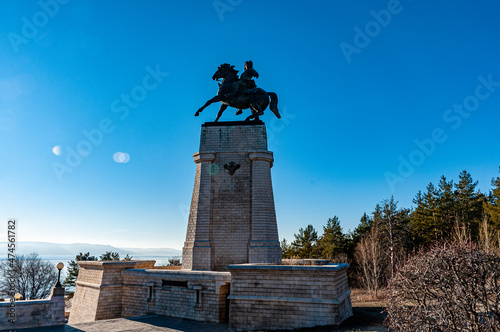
point(59, 267)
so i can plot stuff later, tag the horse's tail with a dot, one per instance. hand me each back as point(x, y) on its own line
point(273, 106)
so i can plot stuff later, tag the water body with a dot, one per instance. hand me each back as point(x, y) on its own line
point(65, 259)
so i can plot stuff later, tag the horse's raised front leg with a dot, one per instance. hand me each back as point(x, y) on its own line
point(213, 100)
point(221, 110)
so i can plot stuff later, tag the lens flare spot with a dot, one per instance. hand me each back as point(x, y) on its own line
point(121, 157)
point(56, 150)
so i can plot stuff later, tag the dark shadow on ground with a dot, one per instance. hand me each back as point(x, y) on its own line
point(61, 328)
point(363, 319)
point(139, 324)
point(179, 324)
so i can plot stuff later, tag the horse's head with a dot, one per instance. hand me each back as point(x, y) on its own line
point(225, 70)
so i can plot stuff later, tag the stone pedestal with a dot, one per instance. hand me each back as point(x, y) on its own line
point(232, 218)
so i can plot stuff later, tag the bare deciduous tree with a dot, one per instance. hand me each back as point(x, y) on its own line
point(489, 238)
point(370, 257)
point(452, 287)
point(29, 276)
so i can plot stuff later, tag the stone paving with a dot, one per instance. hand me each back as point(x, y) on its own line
point(365, 319)
point(146, 324)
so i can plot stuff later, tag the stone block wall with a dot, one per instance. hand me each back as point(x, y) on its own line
point(106, 290)
point(196, 295)
point(34, 313)
point(268, 297)
point(98, 291)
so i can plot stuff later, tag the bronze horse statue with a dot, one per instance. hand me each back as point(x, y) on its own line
point(240, 94)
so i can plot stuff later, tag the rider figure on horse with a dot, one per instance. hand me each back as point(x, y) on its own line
point(241, 93)
point(246, 82)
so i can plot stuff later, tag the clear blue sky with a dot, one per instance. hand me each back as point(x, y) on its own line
point(358, 83)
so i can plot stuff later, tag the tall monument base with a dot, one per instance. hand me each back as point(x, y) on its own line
point(232, 269)
point(232, 218)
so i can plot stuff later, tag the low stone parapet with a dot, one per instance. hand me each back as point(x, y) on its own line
point(34, 313)
point(267, 297)
point(106, 290)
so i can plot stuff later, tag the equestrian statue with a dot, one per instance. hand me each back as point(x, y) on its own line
point(241, 93)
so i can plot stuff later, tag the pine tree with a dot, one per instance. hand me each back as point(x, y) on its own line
point(469, 204)
point(446, 210)
point(333, 241)
point(492, 206)
point(127, 258)
point(418, 218)
point(286, 249)
point(305, 242)
point(424, 217)
point(365, 223)
point(73, 268)
point(174, 261)
point(110, 256)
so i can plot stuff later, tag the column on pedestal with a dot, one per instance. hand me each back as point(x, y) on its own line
point(196, 254)
point(264, 245)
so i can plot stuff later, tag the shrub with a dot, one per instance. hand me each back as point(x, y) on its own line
point(451, 287)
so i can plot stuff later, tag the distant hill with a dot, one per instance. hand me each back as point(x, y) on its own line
point(73, 249)
point(154, 251)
